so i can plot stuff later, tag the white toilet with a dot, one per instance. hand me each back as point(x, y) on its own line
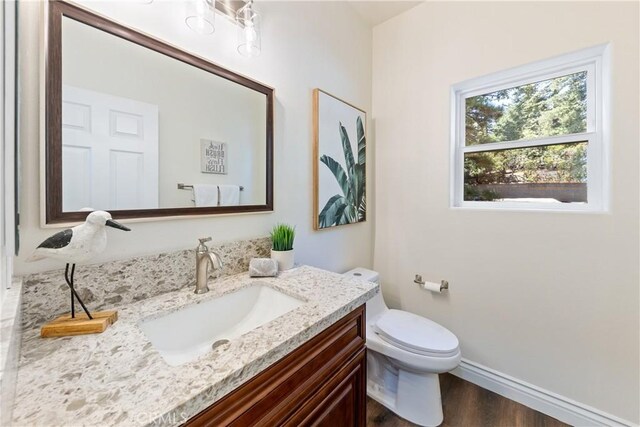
point(406, 352)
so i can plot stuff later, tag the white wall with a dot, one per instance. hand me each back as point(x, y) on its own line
point(193, 105)
point(5, 259)
point(304, 45)
point(548, 298)
point(9, 292)
point(7, 146)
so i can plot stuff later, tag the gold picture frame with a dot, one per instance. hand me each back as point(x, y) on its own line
point(339, 170)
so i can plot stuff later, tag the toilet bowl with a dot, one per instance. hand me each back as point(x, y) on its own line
point(406, 352)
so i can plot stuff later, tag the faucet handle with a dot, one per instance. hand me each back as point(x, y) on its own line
point(202, 247)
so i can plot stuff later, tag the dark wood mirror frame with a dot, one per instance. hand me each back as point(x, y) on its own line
point(53, 152)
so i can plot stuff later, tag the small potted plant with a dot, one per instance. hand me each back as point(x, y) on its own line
point(282, 237)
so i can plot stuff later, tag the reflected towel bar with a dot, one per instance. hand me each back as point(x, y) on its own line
point(190, 187)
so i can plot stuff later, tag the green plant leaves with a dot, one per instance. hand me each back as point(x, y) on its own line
point(362, 142)
point(338, 172)
point(351, 206)
point(282, 236)
point(333, 211)
point(346, 148)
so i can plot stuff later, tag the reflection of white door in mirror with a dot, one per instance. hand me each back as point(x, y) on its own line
point(109, 152)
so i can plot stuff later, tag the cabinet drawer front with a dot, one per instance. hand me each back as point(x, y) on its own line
point(275, 394)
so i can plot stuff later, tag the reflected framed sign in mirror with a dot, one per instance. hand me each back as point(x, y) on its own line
point(143, 129)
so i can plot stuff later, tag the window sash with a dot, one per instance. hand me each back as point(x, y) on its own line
point(592, 190)
point(537, 77)
point(594, 177)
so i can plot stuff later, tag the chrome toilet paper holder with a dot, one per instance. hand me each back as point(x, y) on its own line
point(443, 283)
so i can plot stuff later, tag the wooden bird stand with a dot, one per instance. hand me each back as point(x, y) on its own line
point(80, 325)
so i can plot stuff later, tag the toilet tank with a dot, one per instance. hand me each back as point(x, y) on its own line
point(363, 273)
point(376, 305)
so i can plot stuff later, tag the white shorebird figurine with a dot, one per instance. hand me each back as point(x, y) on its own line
point(78, 245)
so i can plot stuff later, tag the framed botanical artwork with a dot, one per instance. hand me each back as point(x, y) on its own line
point(339, 162)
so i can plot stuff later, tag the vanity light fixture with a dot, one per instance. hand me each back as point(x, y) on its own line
point(201, 16)
point(248, 21)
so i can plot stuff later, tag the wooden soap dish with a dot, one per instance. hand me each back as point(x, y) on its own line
point(80, 325)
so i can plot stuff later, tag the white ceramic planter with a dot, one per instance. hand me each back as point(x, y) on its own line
point(284, 259)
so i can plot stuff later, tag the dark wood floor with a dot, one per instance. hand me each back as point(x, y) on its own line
point(466, 404)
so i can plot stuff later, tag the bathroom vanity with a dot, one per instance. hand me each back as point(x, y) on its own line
point(323, 382)
point(304, 366)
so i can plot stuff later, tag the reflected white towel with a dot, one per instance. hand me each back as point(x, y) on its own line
point(205, 195)
point(229, 195)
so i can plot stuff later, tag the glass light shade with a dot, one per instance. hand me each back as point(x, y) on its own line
point(248, 30)
point(201, 16)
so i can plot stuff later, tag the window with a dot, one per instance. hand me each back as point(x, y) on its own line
point(532, 137)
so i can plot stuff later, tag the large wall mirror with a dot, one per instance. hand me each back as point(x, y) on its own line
point(142, 129)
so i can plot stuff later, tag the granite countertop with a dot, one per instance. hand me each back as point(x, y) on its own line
point(118, 378)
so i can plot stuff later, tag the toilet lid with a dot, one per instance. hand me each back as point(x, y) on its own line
point(416, 334)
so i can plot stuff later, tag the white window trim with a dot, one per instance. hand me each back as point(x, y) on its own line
point(595, 61)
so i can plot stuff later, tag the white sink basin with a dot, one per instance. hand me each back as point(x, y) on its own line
point(194, 330)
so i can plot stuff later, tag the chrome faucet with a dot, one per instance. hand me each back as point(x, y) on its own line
point(204, 258)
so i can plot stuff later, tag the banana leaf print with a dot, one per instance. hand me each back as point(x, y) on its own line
point(350, 206)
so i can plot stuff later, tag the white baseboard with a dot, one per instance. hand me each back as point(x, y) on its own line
point(552, 404)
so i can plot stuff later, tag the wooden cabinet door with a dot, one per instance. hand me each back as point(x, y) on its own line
point(321, 383)
point(341, 402)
